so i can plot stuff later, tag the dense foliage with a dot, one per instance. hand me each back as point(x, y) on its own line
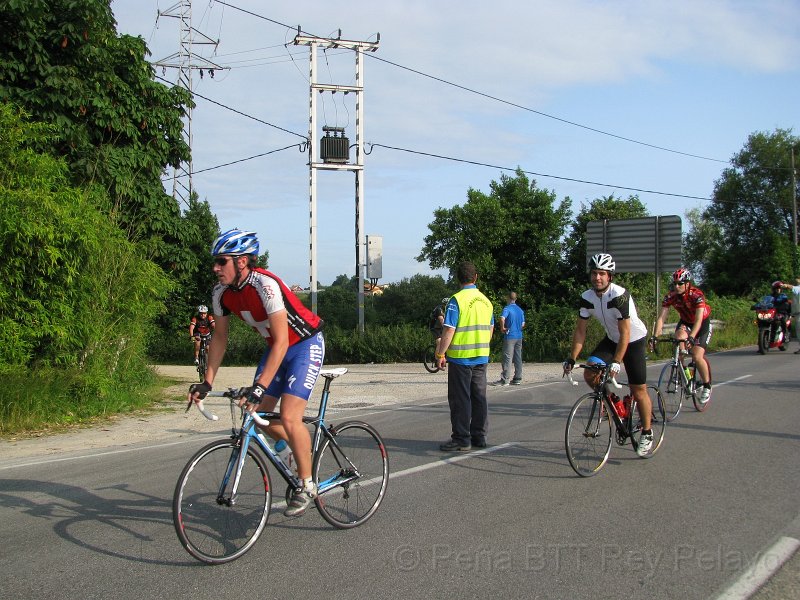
point(744, 239)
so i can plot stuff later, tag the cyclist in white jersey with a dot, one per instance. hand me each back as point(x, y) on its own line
point(625, 341)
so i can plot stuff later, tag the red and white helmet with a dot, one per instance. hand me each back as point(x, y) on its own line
point(681, 276)
point(777, 284)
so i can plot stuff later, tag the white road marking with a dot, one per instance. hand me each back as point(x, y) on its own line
point(769, 562)
point(732, 380)
point(432, 465)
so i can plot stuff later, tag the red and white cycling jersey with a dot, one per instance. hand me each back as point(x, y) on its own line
point(687, 303)
point(262, 294)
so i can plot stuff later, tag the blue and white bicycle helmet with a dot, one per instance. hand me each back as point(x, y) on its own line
point(236, 242)
point(602, 262)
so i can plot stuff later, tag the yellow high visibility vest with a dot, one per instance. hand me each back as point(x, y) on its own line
point(474, 330)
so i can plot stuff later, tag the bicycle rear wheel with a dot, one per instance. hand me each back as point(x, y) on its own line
point(352, 471)
point(671, 388)
point(213, 528)
point(658, 420)
point(587, 437)
point(429, 359)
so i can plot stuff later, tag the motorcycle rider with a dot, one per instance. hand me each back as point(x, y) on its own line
point(783, 308)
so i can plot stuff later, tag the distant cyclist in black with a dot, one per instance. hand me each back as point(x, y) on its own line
point(436, 320)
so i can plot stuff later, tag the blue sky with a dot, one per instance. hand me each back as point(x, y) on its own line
point(696, 76)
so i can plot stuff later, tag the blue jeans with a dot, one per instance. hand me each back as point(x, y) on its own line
point(512, 351)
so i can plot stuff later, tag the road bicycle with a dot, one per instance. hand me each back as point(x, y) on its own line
point(429, 359)
point(678, 380)
point(202, 356)
point(223, 496)
point(600, 415)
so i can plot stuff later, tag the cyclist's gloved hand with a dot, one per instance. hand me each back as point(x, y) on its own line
point(614, 368)
point(690, 341)
point(256, 394)
point(568, 365)
point(201, 389)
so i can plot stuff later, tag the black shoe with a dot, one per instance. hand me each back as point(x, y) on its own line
point(797, 351)
point(782, 348)
point(516, 381)
point(479, 444)
point(454, 446)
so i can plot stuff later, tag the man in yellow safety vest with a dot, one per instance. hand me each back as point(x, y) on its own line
point(464, 345)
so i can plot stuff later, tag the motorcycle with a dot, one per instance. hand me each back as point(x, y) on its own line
point(770, 333)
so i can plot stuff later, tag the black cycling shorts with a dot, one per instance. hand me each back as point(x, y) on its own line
point(703, 336)
point(634, 359)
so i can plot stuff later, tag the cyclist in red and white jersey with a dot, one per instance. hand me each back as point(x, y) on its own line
point(295, 349)
point(202, 324)
point(694, 324)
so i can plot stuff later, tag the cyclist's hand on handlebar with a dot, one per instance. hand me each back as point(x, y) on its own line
point(568, 365)
point(197, 392)
point(614, 369)
point(690, 341)
point(253, 395)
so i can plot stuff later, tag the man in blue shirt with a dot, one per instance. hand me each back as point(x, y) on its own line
point(512, 321)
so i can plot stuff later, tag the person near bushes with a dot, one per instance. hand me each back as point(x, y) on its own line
point(436, 320)
point(295, 349)
point(464, 350)
point(512, 322)
point(200, 325)
point(795, 306)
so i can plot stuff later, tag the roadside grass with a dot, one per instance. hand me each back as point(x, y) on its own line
point(51, 401)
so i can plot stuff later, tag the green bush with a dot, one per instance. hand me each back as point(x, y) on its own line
point(78, 298)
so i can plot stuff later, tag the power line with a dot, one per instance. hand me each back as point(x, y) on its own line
point(502, 168)
point(239, 112)
point(544, 114)
point(241, 160)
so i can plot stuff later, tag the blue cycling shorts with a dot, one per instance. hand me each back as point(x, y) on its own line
point(299, 370)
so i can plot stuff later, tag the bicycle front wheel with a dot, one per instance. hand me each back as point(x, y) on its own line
point(588, 435)
point(658, 420)
point(213, 526)
point(202, 365)
point(429, 359)
point(352, 471)
point(671, 387)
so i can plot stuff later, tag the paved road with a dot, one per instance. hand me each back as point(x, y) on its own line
point(513, 521)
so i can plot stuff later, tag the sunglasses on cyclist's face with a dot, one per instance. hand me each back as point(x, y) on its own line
point(222, 260)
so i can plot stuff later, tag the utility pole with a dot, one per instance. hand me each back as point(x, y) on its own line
point(335, 156)
point(794, 199)
point(186, 61)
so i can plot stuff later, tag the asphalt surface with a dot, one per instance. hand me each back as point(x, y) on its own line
point(700, 519)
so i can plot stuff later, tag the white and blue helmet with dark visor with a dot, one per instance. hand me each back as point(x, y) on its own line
point(235, 242)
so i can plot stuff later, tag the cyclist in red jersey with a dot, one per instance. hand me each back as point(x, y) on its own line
point(202, 324)
point(694, 324)
point(295, 350)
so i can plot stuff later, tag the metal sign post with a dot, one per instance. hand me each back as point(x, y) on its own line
point(646, 245)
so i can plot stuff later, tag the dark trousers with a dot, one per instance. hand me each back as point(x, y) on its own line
point(466, 394)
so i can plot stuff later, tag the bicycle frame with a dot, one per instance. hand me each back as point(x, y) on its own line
point(249, 433)
point(623, 424)
point(677, 361)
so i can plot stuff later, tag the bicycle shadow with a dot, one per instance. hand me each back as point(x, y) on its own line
point(125, 528)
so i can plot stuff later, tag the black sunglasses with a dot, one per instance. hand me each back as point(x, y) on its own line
point(221, 260)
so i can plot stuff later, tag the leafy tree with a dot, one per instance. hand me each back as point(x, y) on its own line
point(606, 207)
point(77, 294)
point(745, 240)
point(410, 300)
point(513, 235)
point(64, 63)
